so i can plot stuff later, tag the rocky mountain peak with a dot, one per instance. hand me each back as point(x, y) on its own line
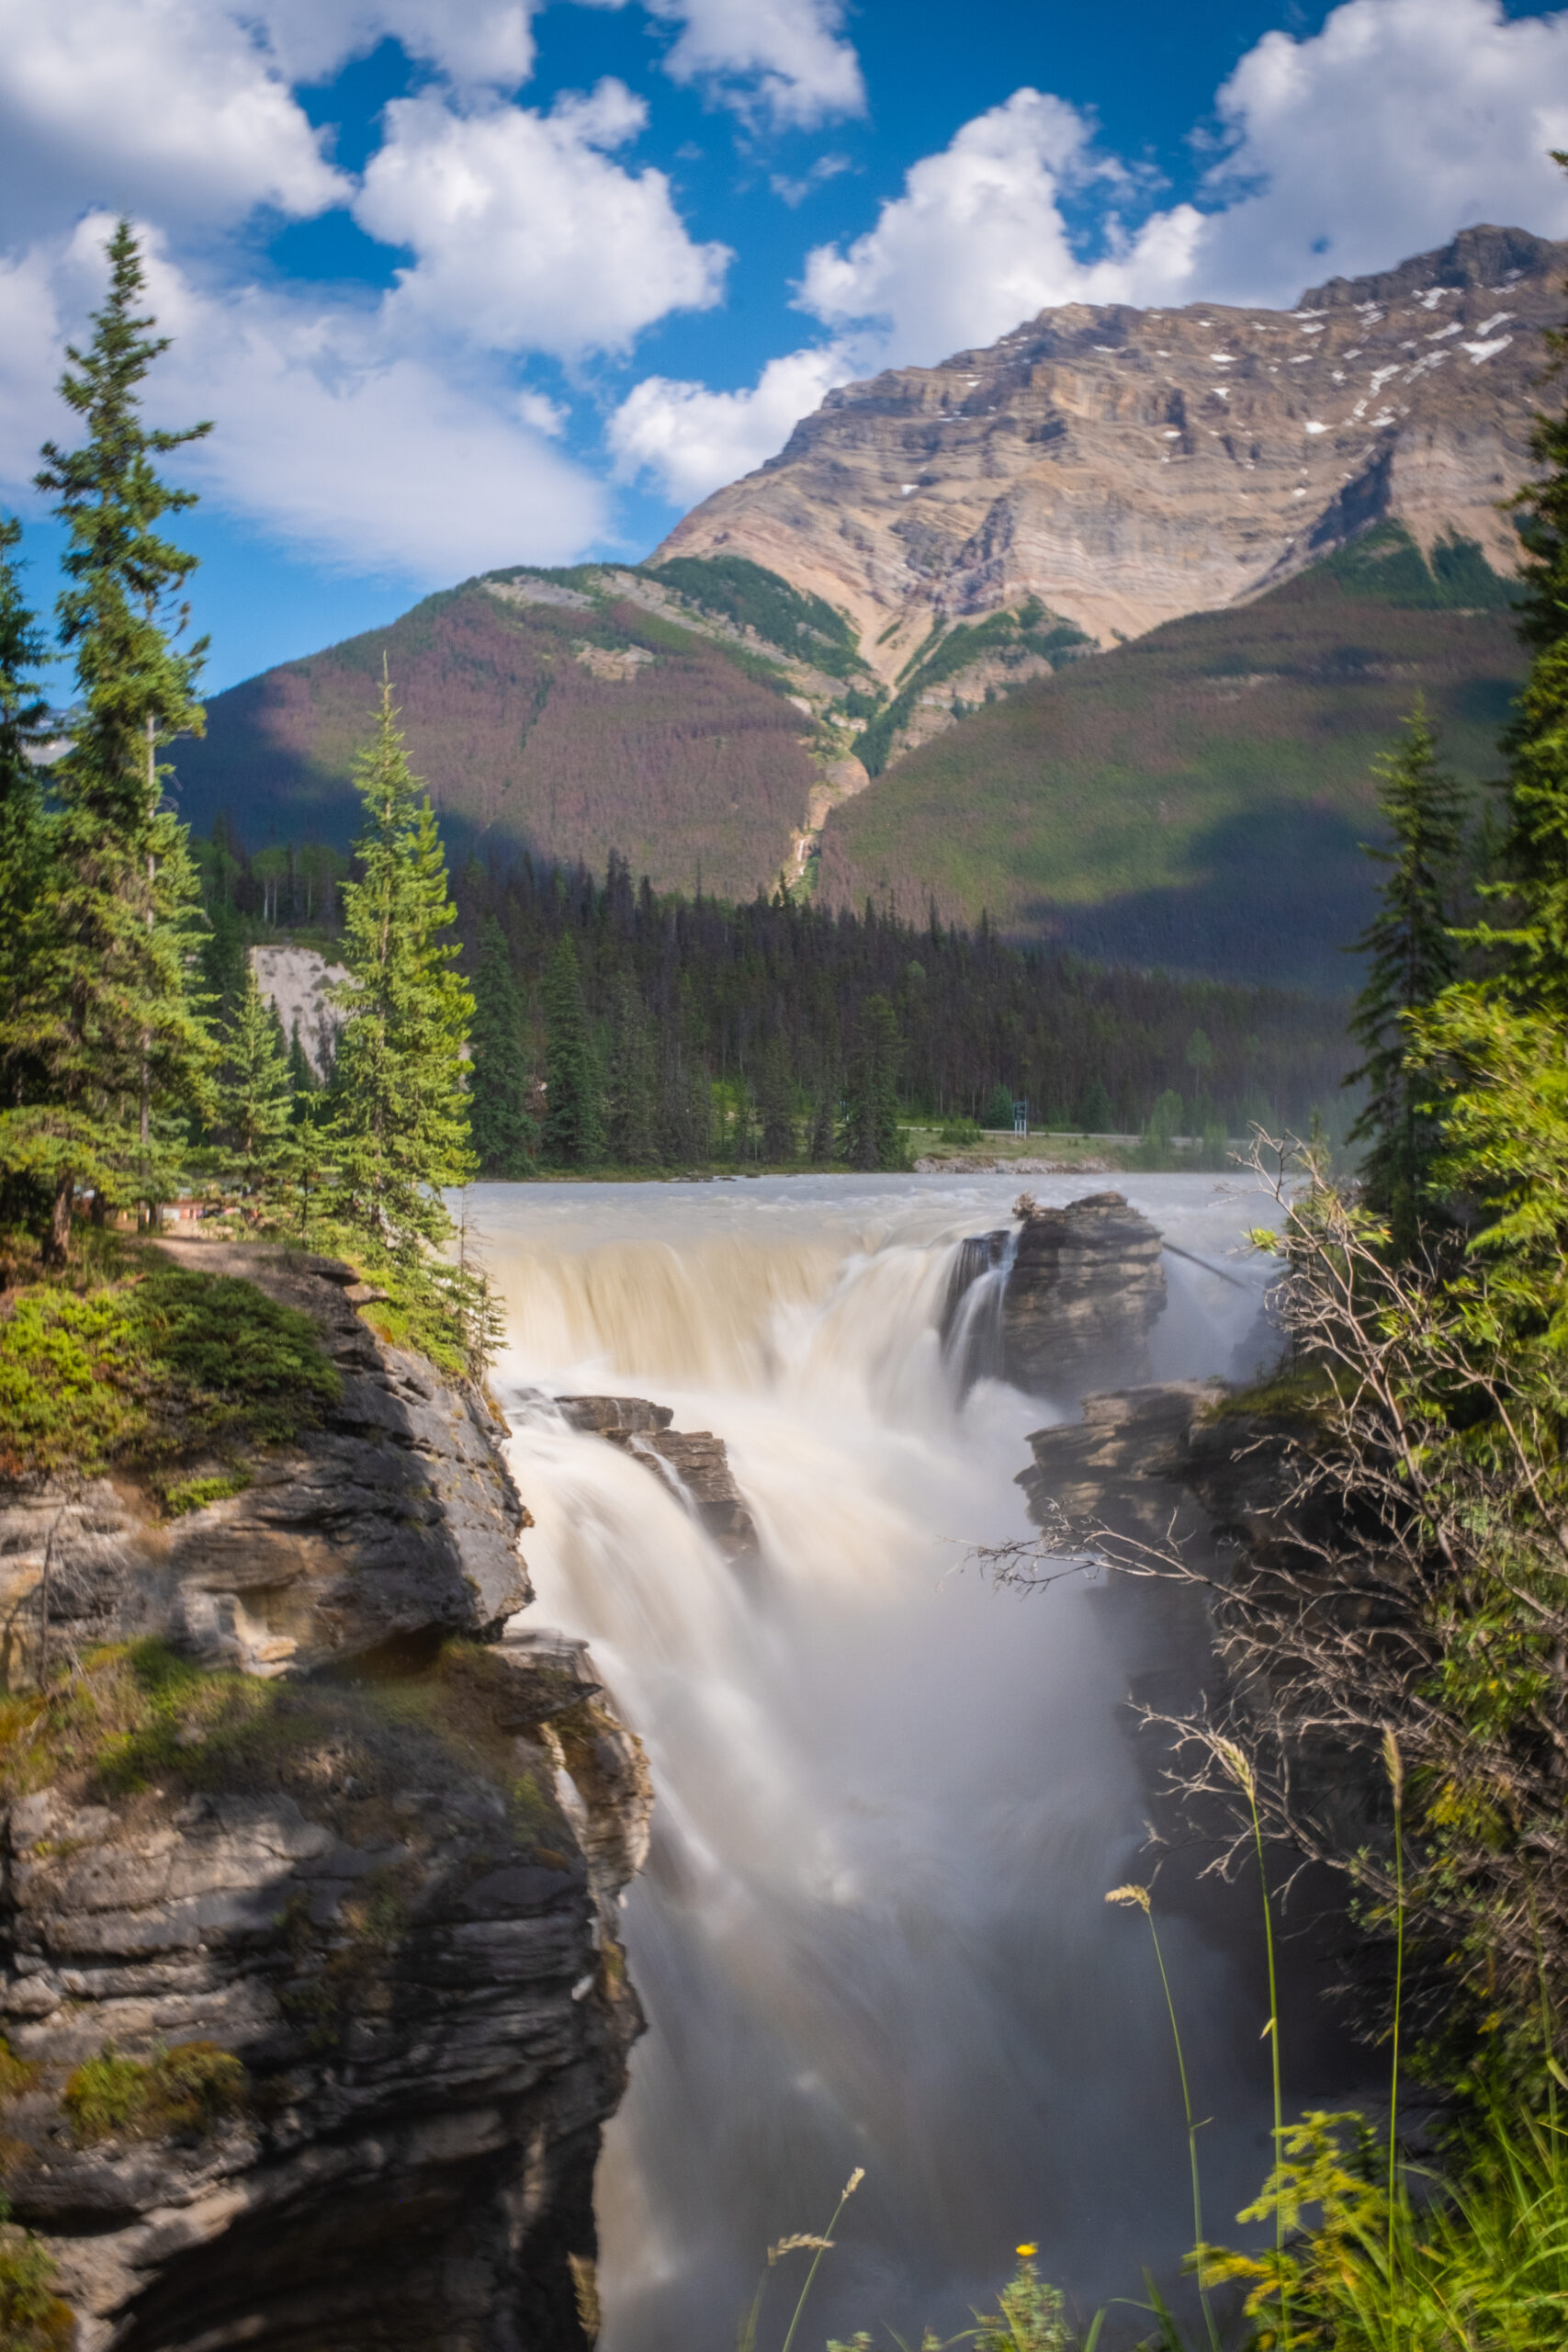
point(1121, 467)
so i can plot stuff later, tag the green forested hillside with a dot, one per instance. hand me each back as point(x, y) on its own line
point(569, 730)
point(1197, 798)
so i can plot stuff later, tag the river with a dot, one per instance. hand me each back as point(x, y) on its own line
point(890, 1799)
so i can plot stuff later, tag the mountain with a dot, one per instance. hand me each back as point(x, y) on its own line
point(867, 666)
point(1121, 468)
point(569, 713)
point(1198, 799)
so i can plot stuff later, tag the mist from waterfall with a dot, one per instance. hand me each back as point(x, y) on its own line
point(890, 1800)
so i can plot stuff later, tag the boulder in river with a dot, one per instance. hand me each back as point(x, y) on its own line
point(696, 1461)
point(1085, 1290)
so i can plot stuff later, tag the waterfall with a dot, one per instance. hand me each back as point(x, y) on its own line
point(889, 1799)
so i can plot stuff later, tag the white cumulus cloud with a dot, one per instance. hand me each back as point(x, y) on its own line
point(483, 43)
point(326, 437)
point(527, 234)
point(168, 106)
point(692, 440)
point(786, 60)
point(1398, 123)
point(977, 241)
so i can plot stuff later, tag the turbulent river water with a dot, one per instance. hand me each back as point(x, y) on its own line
point(890, 1799)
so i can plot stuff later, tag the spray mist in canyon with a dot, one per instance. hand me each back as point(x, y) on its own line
point(889, 1798)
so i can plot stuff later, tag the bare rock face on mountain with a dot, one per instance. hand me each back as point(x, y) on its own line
point(312, 1999)
point(697, 1463)
point(1123, 467)
point(1083, 1294)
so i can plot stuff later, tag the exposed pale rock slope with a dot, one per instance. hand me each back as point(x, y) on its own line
point(1125, 465)
point(387, 1893)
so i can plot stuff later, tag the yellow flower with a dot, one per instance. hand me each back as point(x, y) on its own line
point(1027, 2250)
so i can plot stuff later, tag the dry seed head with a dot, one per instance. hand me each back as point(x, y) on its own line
point(854, 2180)
point(1393, 1764)
point(793, 2245)
point(1236, 1765)
point(1138, 1894)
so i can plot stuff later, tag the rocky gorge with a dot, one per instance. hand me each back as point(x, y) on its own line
point(312, 1997)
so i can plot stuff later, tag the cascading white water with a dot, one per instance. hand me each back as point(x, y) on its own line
point(890, 1800)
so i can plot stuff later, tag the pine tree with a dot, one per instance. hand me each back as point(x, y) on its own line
point(505, 1135)
point(1412, 957)
point(870, 1138)
point(1096, 1110)
point(776, 1103)
point(303, 1083)
point(574, 1099)
point(23, 838)
point(254, 1098)
point(633, 1091)
point(401, 1128)
point(108, 1017)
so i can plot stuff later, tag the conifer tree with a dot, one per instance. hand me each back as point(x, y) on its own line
point(108, 1017)
point(24, 840)
point(633, 1093)
point(870, 1137)
point(776, 1103)
point(1096, 1112)
point(303, 1083)
point(574, 1101)
point(254, 1098)
point(506, 1134)
point(401, 1129)
point(1412, 957)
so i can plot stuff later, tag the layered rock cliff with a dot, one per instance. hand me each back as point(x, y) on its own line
point(313, 2001)
point(1082, 1294)
point(1123, 467)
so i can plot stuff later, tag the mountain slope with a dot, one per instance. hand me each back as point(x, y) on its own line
point(1125, 467)
point(1197, 800)
point(571, 713)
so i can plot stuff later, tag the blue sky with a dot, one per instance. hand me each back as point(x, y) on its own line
point(464, 283)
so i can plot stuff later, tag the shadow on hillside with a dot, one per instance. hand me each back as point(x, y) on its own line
point(1276, 898)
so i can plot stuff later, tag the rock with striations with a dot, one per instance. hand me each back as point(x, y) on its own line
point(310, 1981)
point(1082, 1297)
point(1124, 467)
point(697, 1462)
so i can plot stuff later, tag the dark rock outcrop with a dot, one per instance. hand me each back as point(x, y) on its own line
point(397, 1517)
point(1083, 1295)
point(309, 1980)
point(696, 1462)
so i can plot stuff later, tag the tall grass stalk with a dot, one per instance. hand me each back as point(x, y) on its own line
point(819, 2245)
point(1241, 1771)
point(1140, 1895)
point(1394, 1764)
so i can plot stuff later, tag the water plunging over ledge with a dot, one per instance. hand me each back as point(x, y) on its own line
point(889, 1799)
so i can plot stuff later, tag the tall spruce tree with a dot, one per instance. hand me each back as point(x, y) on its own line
point(24, 837)
point(401, 1128)
point(870, 1138)
point(574, 1095)
point(107, 1018)
point(254, 1098)
point(633, 1091)
point(1412, 957)
point(506, 1134)
point(776, 1103)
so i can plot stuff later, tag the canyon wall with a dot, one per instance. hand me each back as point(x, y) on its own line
point(309, 1982)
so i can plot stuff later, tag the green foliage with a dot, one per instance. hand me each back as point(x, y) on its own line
point(1031, 2317)
point(32, 2316)
point(736, 590)
point(1411, 958)
point(1386, 567)
point(870, 1137)
point(574, 1096)
point(632, 1092)
point(1096, 1112)
point(193, 2087)
point(997, 1112)
point(106, 1024)
point(256, 1100)
point(1007, 636)
point(400, 1124)
point(504, 1132)
point(143, 1367)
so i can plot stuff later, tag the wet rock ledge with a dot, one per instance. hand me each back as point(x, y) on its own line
point(312, 2002)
